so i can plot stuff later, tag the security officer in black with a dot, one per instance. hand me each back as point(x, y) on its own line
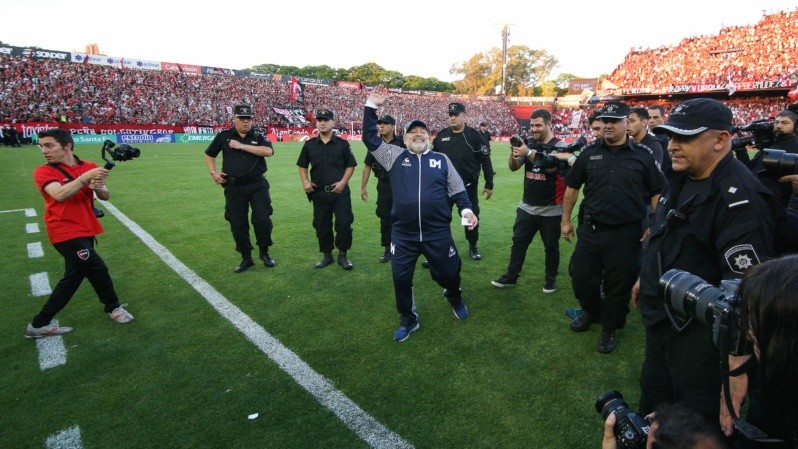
point(386, 128)
point(714, 220)
point(470, 154)
point(331, 165)
point(242, 176)
point(617, 174)
point(483, 130)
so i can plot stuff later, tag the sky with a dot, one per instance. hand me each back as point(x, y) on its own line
point(413, 37)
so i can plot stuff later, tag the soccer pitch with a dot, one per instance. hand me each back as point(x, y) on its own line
point(309, 351)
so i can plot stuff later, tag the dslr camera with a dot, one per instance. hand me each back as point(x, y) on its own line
point(689, 296)
point(544, 152)
point(761, 135)
point(776, 163)
point(123, 152)
point(631, 430)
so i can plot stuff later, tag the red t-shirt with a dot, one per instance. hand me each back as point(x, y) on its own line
point(74, 217)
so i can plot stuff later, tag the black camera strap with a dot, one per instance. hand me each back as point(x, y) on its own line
point(71, 178)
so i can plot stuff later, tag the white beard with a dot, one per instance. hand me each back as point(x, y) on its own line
point(417, 147)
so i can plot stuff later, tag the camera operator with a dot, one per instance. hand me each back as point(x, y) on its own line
point(68, 186)
point(541, 206)
point(243, 168)
point(673, 427)
point(714, 219)
point(617, 174)
point(770, 319)
point(784, 131)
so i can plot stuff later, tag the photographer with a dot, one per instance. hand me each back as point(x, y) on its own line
point(714, 219)
point(541, 206)
point(770, 319)
point(784, 131)
point(68, 185)
point(674, 427)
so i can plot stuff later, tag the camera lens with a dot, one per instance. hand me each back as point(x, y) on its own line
point(779, 163)
point(689, 294)
point(515, 141)
point(609, 402)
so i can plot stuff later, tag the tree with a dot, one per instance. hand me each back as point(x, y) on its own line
point(482, 73)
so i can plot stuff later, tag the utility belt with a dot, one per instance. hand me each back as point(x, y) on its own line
point(600, 227)
point(242, 181)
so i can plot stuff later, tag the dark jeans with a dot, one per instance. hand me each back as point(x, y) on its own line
point(681, 367)
point(524, 230)
point(444, 266)
point(611, 256)
point(325, 206)
point(238, 201)
point(80, 261)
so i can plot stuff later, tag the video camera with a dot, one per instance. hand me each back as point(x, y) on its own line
point(631, 430)
point(761, 135)
point(123, 152)
point(544, 153)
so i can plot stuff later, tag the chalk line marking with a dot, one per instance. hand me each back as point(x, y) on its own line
point(35, 250)
point(52, 351)
point(32, 228)
point(356, 419)
point(65, 439)
point(39, 284)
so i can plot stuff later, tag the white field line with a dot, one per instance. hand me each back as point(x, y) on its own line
point(52, 351)
point(65, 439)
point(356, 419)
point(30, 212)
point(32, 228)
point(35, 250)
point(39, 284)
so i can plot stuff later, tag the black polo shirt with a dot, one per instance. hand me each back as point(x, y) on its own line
point(238, 164)
point(327, 161)
point(616, 181)
point(469, 153)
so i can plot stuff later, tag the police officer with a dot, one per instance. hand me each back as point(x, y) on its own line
point(483, 130)
point(540, 208)
point(714, 220)
point(617, 174)
point(331, 165)
point(470, 154)
point(244, 154)
point(419, 177)
point(656, 117)
point(386, 128)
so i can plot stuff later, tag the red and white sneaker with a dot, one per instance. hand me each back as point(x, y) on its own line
point(46, 331)
point(120, 315)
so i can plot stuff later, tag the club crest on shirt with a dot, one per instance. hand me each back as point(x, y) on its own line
point(741, 258)
point(83, 254)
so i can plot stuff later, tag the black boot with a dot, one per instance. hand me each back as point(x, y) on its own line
point(326, 260)
point(343, 261)
point(246, 262)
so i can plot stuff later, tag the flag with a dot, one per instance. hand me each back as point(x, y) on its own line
point(793, 94)
point(297, 91)
point(731, 86)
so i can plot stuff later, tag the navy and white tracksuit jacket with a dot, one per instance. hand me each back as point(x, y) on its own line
point(423, 186)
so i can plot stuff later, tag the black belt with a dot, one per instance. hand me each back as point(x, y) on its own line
point(233, 181)
point(325, 188)
point(604, 227)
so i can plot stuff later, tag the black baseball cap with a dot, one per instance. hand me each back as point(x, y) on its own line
point(456, 108)
point(325, 114)
point(415, 123)
point(242, 110)
point(614, 109)
point(387, 119)
point(696, 116)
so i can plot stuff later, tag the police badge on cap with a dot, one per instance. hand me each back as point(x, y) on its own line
point(456, 108)
point(325, 114)
point(242, 110)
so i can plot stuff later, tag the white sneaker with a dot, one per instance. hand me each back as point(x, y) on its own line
point(46, 331)
point(120, 315)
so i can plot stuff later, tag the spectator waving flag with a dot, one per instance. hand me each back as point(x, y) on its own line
point(297, 90)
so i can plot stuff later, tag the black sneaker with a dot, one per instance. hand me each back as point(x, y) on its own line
point(386, 256)
point(582, 322)
point(503, 281)
point(550, 286)
point(606, 342)
point(326, 260)
point(475, 252)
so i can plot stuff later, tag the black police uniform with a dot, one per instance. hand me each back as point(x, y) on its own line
point(470, 154)
point(667, 164)
point(246, 187)
point(616, 179)
point(714, 228)
point(384, 195)
point(328, 162)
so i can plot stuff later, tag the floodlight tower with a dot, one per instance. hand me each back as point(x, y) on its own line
point(505, 36)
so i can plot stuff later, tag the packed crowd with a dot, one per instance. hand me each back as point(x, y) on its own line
point(47, 90)
point(766, 50)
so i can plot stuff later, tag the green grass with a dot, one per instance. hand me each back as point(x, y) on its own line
point(512, 376)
